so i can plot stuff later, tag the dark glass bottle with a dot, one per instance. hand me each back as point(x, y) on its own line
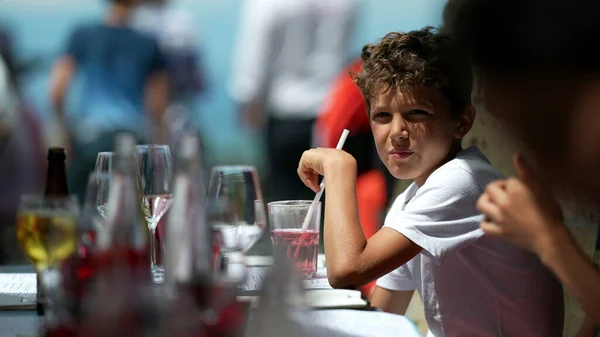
point(56, 186)
point(56, 178)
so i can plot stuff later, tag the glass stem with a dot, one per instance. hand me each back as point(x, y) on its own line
point(50, 288)
point(153, 247)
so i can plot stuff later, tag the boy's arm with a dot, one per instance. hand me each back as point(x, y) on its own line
point(351, 260)
point(561, 254)
point(392, 301)
point(524, 212)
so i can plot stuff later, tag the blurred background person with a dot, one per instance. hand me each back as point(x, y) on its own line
point(125, 89)
point(21, 150)
point(177, 36)
point(345, 108)
point(287, 55)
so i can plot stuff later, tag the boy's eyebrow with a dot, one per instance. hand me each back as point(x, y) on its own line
point(412, 106)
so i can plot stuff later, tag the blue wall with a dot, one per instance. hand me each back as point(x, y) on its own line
point(40, 28)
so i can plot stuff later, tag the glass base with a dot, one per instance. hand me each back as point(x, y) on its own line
point(158, 275)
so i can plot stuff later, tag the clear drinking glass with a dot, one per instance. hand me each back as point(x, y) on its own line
point(47, 233)
point(156, 174)
point(236, 207)
point(97, 193)
point(300, 246)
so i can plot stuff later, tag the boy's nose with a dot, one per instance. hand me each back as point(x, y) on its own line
point(399, 129)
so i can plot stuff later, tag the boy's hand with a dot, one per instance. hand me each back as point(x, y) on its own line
point(324, 161)
point(520, 210)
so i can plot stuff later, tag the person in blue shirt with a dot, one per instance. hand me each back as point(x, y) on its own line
point(125, 88)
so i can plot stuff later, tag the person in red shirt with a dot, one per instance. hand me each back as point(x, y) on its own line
point(345, 108)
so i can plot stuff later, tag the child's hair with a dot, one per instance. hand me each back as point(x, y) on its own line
point(413, 60)
point(523, 36)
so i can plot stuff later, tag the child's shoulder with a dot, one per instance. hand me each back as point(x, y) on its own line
point(470, 169)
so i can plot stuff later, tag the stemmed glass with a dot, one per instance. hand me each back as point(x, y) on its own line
point(234, 191)
point(236, 214)
point(156, 173)
point(47, 233)
point(97, 193)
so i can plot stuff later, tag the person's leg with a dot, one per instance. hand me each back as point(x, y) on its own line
point(286, 141)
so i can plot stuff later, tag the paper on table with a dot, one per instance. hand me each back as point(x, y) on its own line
point(17, 290)
point(265, 260)
point(18, 283)
point(317, 283)
point(256, 276)
point(356, 323)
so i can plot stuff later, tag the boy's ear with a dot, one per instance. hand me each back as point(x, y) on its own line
point(465, 122)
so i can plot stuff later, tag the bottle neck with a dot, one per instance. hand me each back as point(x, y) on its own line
point(56, 179)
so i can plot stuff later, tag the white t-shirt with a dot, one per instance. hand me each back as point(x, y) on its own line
point(470, 284)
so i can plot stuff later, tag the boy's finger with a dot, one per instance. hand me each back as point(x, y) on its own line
point(491, 228)
point(309, 179)
point(496, 192)
point(310, 161)
point(491, 211)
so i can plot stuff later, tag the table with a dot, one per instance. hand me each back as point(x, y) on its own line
point(324, 323)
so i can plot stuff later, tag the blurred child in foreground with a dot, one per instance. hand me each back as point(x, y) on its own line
point(541, 81)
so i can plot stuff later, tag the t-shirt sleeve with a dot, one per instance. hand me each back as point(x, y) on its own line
point(76, 44)
point(441, 217)
point(399, 279)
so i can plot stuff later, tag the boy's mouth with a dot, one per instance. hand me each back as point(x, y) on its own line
point(401, 153)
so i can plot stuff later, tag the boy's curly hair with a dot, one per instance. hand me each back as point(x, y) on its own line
point(413, 60)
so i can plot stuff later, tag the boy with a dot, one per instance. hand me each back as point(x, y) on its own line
point(417, 89)
point(541, 80)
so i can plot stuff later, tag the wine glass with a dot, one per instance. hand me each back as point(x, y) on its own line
point(234, 191)
point(47, 233)
point(104, 162)
point(156, 174)
point(96, 197)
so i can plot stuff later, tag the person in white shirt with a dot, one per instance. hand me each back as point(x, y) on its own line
point(8, 102)
point(418, 93)
point(287, 55)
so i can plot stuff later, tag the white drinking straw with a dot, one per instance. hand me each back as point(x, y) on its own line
point(313, 205)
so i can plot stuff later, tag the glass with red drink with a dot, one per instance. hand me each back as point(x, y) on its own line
point(299, 245)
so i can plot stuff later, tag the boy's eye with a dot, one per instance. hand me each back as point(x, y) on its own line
point(417, 112)
point(381, 115)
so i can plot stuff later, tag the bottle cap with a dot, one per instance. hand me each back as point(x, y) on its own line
point(56, 153)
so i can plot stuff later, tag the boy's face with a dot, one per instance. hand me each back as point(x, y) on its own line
point(414, 131)
point(559, 121)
